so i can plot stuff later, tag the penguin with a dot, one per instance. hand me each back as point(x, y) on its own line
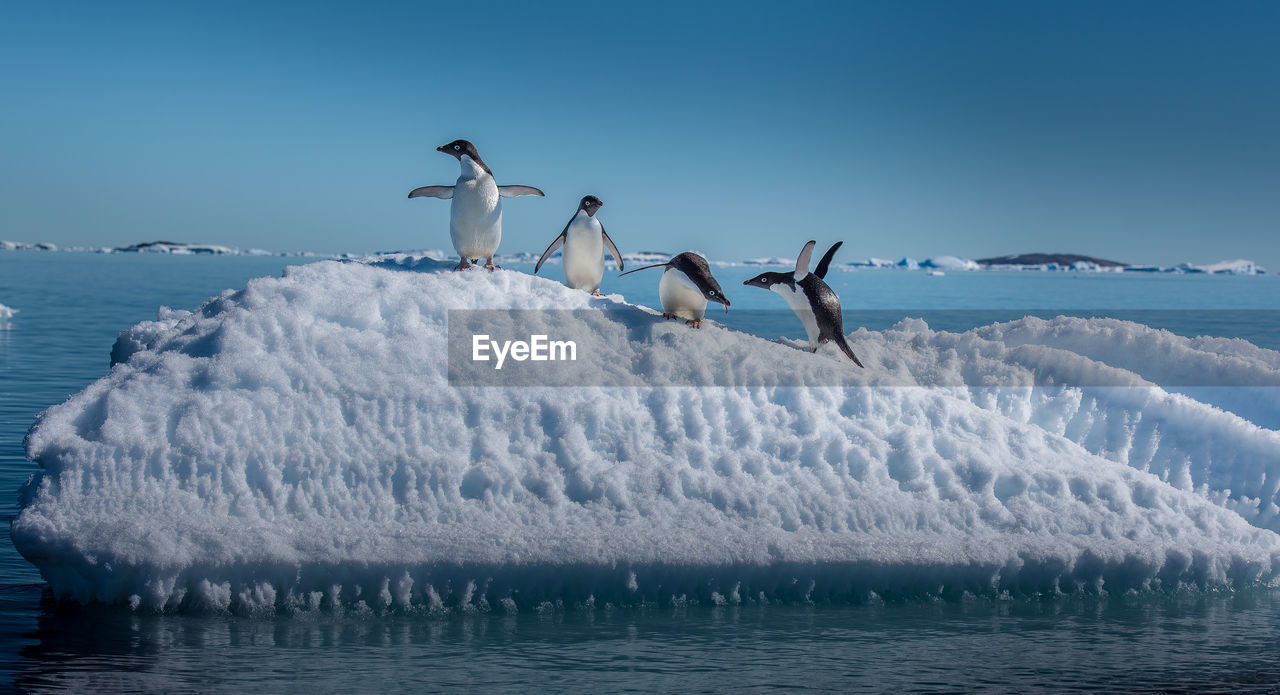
point(809, 296)
point(475, 210)
point(584, 241)
point(686, 287)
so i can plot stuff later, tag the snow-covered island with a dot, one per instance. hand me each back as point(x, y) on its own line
point(177, 248)
point(174, 248)
point(297, 446)
point(1034, 261)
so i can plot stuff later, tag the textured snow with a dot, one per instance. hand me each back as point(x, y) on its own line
point(296, 446)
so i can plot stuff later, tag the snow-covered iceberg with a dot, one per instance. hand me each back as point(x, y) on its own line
point(950, 263)
point(297, 446)
point(1239, 266)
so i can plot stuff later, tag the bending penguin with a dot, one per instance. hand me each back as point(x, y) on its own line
point(584, 241)
point(686, 287)
point(813, 301)
point(475, 213)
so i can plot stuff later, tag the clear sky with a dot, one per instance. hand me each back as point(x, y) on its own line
point(1139, 131)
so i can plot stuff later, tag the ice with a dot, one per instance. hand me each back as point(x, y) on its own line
point(1239, 266)
point(6, 312)
point(296, 446)
point(950, 263)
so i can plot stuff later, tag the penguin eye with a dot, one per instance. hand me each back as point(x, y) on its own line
point(712, 293)
point(457, 147)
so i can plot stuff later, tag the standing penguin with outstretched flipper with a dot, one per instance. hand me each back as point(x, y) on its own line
point(475, 210)
point(813, 301)
point(686, 287)
point(584, 241)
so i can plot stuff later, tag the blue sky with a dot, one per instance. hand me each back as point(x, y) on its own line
point(1143, 132)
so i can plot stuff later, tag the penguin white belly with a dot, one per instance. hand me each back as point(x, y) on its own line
point(475, 220)
point(583, 255)
point(680, 296)
point(800, 304)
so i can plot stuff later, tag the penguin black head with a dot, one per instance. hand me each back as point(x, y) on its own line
point(716, 295)
point(768, 280)
point(590, 203)
point(457, 148)
point(696, 269)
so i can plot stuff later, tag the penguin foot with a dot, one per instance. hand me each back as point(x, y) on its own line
point(597, 293)
point(696, 323)
point(489, 264)
point(667, 316)
point(463, 265)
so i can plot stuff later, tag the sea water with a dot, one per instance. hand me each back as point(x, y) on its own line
point(72, 306)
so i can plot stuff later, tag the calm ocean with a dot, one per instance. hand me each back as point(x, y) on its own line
point(73, 305)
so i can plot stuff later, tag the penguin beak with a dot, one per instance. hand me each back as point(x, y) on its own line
point(440, 148)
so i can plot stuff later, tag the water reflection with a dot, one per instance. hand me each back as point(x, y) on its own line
point(1195, 642)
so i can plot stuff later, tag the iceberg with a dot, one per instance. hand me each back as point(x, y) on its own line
point(950, 263)
point(1236, 267)
point(297, 446)
point(6, 312)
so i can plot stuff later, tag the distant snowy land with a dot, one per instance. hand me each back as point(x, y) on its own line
point(157, 247)
point(1031, 262)
point(297, 446)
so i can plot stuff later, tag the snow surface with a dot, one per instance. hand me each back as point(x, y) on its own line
point(296, 446)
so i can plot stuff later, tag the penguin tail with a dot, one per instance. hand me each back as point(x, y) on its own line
point(844, 345)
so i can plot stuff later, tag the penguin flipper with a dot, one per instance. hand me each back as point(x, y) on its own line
point(550, 250)
point(844, 345)
point(445, 192)
point(517, 191)
point(802, 262)
point(636, 270)
point(617, 257)
point(821, 270)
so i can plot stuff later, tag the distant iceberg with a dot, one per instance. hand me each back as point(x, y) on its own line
point(296, 446)
point(1236, 267)
point(6, 312)
point(950, 263)
point(1034, 261)
point(643, 257)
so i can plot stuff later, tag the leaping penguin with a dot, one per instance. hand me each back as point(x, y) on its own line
point(475, 213)
point(686, 287)
point(584, 241)
point(809, 296)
